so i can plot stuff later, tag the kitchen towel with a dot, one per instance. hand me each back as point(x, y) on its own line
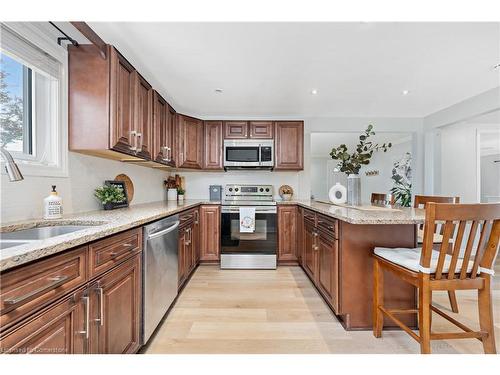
point(247, 219)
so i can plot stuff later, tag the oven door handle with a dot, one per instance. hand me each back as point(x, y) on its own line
point(270, 210)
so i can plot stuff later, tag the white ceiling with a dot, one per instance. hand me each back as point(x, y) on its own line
point(269, 69)
point(322, 143)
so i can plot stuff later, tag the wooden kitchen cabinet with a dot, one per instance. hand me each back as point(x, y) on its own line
point(163, 131)
point(58, 329)
point(213, 145)
point(287, 234)
point(210, 232)
point(310, 253)
point(261, 129)
point(289, 145)
point(190, 142)
point(328, 268)
point(143, 115)
point(196, 237)
point(188, 239)
point(115, 310)
point(235, 129)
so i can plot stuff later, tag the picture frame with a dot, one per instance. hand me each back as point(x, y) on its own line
point(124, 187)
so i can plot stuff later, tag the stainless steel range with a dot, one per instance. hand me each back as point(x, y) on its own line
point(248, 227)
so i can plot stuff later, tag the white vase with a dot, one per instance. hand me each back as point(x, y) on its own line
point(338, 194)
point(171, 194)
point(180, 198)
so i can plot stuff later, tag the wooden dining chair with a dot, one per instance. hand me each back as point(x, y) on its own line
point(419, 202)
point(429, 269)
point(382, 199)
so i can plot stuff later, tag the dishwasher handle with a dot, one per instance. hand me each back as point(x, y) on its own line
point(163, 231)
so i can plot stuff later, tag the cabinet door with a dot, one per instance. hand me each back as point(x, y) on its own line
point(143, 98)
point(183, 237)
point(309, 250)
point(235, 129)
point(188, 255)
point(261, 129)
point(115, 309)
point(122, 133)
point(289, 145)
point(328, 268)
point(210, 233)
point(190, 138)
point(171, 135)
point(300, 235)
point(59, 329)
point(213, 145)
point(196, 237)
point(287, 233)
point(161, 153)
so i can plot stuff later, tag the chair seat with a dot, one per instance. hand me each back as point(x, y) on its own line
point(410, 259)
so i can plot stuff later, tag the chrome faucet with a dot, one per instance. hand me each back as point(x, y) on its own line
point(11, 166)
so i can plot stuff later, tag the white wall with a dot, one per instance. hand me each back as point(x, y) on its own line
point(490, 178)
point(23, 200)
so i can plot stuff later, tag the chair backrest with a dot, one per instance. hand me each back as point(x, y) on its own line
point(421, 200)
point(462, 223)
point(382, 199)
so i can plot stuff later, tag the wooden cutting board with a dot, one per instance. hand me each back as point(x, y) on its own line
point(129, 185)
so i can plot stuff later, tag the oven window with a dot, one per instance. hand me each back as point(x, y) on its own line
point(262, 241)
point(245, 154)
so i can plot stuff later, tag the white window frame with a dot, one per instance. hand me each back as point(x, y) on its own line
point(51, 139)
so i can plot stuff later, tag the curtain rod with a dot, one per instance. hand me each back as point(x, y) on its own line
point(66, 36)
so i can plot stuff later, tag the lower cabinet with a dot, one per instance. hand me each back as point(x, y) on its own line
point(115, 310)
point(287, 234)
point(210, 233)
point(59, 329)
point(188, 244)
point(320, 255)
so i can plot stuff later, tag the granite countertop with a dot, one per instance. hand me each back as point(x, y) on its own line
point(402, 215)
point(104, 223)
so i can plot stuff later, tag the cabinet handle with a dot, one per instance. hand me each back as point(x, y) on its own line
point(101, 306)
point(133, 134)
point(196, 217)
point(54, 282)
point(139, 143)
point(128, 245)
point(166, 152)
point(187, 217)
point(87, 318)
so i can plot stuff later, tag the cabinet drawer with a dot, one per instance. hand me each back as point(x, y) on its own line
point(310, 217)
point(26, 289)
point(187, 217)
point(328, 225)
point(105, 254)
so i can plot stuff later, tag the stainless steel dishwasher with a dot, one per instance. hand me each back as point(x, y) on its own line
point(160, 268)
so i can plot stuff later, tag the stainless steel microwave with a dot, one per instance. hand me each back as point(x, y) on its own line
point(249, 153)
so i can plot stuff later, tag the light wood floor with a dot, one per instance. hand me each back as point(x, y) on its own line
point(261, 311)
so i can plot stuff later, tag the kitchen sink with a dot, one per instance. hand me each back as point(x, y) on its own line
point(4, 244)
point(39, 233)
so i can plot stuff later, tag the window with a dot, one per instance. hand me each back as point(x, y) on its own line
point(16, 109)
point(33, 90)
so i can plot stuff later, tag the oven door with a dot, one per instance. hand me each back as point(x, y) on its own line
point(262, 241)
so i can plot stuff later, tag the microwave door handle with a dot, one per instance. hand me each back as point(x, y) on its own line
point(260, 155)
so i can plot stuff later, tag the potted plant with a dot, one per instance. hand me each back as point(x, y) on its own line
point(110, 196)
point(351, 163)
point(286, 193)
point(180, 194)
point(401, 175)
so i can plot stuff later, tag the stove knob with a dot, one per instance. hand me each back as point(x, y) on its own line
point(261, 190)
point(230, 189)
point(236, 189)
point(267, 190)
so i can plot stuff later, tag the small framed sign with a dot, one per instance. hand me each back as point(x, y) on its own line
point(120, 184)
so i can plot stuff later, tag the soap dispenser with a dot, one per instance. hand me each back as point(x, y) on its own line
point(52, 205)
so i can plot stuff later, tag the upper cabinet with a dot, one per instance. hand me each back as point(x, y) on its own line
point(289, 145)
point(260, 129)
point(110, 105)
point(235, 129)
point(163, 131)
point(213, 145)
point(190, 142)
point(248, 129)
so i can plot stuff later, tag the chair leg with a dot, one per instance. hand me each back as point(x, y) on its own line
point(453, 301)
point(424, 315)
point(378, 299)
point(486, 316)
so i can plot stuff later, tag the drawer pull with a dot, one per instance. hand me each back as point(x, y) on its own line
point(101, 306)
point(128, 245)
point(54, 282)
point(187, 217)
point(86, 323)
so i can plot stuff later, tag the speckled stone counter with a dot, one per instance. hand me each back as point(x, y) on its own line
point(401, 215)
point(104, 223)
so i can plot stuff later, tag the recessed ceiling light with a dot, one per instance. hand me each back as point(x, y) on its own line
point(219, 91)
point(314, 92)
point(405, 92)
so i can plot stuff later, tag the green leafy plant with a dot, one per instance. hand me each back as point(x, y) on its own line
point(109, 194)
point(351, 163)
point(181, 191)
point(401, 175)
